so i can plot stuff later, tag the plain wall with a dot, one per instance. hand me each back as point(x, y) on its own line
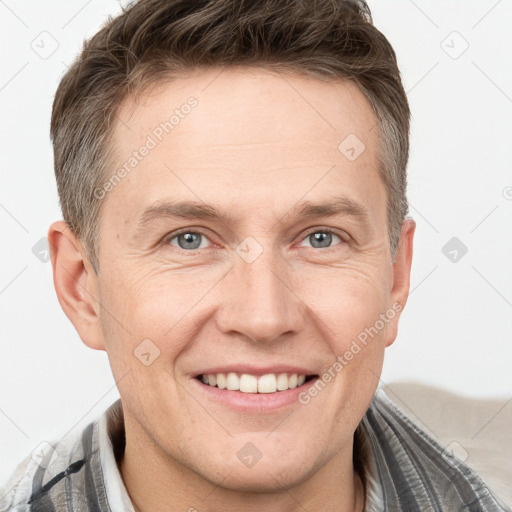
point(455, 332)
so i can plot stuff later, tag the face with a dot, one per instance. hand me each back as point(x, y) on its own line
point(250, 239)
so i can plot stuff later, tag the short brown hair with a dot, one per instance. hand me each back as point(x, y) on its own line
point(154, 40)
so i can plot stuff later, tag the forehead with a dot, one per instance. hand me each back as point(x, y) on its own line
point(245, 137)
point(261, 103)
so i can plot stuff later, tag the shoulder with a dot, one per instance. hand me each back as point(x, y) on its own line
point(415, 472)
point(14, 494)
point(59, 476)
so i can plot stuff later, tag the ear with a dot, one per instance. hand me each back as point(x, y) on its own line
point(401, 277)
point(76, 284)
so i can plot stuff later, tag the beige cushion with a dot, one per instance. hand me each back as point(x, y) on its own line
point(479, 431)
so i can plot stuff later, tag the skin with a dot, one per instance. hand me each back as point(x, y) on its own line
point(257, 144)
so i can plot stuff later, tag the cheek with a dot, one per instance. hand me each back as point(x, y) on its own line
point(348, 301)
point(353, 310)
point(149, 311)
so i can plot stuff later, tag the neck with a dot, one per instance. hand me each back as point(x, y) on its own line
point(155, 481)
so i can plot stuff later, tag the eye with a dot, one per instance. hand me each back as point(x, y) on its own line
point(322, 238)
point(187, 240)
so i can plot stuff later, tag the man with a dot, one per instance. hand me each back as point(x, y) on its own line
point(232, 177)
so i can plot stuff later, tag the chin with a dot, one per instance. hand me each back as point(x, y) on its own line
point(264, 480)
point(267, 475)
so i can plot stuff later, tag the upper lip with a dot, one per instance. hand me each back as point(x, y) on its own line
point(256, 370)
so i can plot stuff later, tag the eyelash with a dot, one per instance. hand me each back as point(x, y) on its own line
point(172, 236)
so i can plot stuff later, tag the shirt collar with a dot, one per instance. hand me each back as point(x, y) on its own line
point(112, 440)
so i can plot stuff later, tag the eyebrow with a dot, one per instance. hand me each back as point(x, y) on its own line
point(304, 210)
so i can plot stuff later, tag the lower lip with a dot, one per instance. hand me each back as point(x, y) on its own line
point(254, 402)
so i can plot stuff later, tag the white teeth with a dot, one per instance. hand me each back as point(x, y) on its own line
point(247, 383)
point(282, 382)
point(232, 382)
point(221, 381)
point(267, 383)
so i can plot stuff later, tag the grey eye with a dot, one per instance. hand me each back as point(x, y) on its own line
point(321, 239)
point(189, 240)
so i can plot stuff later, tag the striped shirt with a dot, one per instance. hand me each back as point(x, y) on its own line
point(401, 466)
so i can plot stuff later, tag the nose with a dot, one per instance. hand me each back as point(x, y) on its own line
point(259, 301)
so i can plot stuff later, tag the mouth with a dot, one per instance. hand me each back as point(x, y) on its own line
point(268, 383)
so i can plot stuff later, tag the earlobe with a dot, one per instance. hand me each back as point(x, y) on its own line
point(401, 277)
point(76, 284)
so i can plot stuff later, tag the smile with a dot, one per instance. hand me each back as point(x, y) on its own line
point(248, 383)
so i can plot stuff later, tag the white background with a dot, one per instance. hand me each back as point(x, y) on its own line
point(456, 329)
